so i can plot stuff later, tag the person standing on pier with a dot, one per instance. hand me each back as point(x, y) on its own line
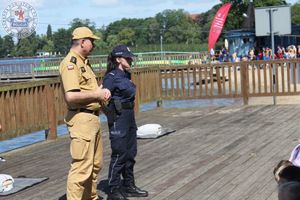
point(122, 125)
point(83, 97)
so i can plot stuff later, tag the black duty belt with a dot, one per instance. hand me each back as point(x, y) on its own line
point(94, 112)
point(128, 105)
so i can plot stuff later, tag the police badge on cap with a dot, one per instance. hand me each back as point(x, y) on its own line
point(122, 51)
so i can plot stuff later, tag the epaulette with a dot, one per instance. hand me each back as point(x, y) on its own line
point(73, 60)
point(111, 73)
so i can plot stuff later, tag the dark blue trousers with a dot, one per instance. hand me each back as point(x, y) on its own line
point(122, 134)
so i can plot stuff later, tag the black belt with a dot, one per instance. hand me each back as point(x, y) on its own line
point(128, 105)
point(94, 112)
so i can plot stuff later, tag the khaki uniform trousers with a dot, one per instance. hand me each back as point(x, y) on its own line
point(87, 156)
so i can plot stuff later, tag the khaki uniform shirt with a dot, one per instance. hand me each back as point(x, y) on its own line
point(76, 74)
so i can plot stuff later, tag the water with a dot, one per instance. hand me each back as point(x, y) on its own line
point(20, 65)
point(25, 60)
point(39, 136)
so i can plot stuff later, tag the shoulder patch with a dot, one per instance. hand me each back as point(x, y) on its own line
point(82, 69)
point(73, 60)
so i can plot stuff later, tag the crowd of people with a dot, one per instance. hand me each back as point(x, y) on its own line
point(264, 53)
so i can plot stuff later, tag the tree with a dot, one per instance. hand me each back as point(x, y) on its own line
point(176, 26)
point(8, 45)
point(36, 42)
point(169, 18)
point(101, 46)
point(48, 44)
point(264, 3)
point(235, 19)
point(295, 13)
point(24, 48)
point(75, 23)
point(62, 40)
point(153, 31)
point(126, 36)
point(136, 25)
point(257, 3)
point(112, 40)
point(49, 32)
point(2, 52)
point(49, 47)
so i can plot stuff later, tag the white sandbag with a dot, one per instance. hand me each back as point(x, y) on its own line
point(6, 183)
point(149, 131)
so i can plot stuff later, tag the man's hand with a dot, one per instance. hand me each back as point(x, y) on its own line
point(103, 94)
point(107, 94)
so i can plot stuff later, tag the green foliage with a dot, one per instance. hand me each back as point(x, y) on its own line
point(171, 47)
point(75, 23)
point(126, 36)
point(24, 48)
point(112, 40)
point(49, 46)
point(2, 51)
point(257, 3)
point(49, 32)
point(62, 40)
point(296, 13)
point(153, 31)
point(8, 45)
point(176, 26)
point(264, 3)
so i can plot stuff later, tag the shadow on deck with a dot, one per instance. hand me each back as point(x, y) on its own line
point(220, 153)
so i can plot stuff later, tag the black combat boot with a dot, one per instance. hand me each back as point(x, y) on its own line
point(115, 193)
point(134, 191)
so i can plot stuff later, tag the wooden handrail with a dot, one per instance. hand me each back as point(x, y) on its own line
point(39, 105)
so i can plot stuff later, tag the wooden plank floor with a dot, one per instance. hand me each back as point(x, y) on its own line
point(216, 153)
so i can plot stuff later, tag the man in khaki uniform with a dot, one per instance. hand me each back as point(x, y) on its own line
point(83, 97)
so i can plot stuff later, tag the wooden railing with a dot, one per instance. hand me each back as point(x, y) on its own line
point(49, 67)
point(31, 106)
point(147, 81)
point(39, 105)
point(201, 81)
point(231, 80)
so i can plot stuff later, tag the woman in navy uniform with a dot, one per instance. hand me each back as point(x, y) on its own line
point(122, 125)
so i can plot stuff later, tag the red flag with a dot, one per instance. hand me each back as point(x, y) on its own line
point(217, 25)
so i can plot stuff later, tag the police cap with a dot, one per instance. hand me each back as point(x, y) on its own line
point(122, 51)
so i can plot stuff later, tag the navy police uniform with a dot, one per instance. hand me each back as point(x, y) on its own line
point(122, 130)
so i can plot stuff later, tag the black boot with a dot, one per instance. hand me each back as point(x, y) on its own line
point(116, 194)
point(134, 191)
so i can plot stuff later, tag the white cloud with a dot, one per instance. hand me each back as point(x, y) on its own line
point(104, 2)
point(59, 13)
point(33, 3)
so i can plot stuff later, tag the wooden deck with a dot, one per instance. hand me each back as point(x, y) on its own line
point(216, 153)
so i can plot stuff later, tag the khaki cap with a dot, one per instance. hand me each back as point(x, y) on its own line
point(83, 32)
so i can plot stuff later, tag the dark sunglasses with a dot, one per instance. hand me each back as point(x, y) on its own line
point(129, 60)
point(90, 39)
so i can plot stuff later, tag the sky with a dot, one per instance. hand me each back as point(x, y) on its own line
point(59, 13)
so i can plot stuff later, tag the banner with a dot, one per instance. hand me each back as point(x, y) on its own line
point(217, 25)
